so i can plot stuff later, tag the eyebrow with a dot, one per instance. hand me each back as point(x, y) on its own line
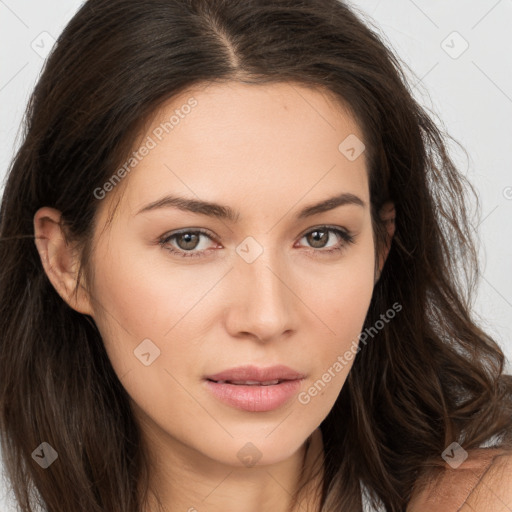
point(227, 213)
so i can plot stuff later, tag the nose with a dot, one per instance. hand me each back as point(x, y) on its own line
point(262, 302)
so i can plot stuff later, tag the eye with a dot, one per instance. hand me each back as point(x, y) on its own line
point(320, 236)
point(187, 243)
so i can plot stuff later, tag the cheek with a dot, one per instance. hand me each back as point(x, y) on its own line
point(340, 294)
point(124, 303)
point(140, 295)
point(341, 304)
point(137, 304)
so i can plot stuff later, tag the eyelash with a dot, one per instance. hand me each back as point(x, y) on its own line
point(346, 239)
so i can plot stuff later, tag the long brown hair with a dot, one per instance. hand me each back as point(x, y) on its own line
point(428, 378)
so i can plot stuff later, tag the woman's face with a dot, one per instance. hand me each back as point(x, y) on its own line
point(265, 282)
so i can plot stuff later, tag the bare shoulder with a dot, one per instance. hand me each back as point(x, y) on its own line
point(482, 483)
point(493, 492)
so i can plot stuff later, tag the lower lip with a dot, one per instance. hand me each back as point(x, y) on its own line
point(254, 398)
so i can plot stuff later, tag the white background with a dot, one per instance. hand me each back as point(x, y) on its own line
point(470, 94)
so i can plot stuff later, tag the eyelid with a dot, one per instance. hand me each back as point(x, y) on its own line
point(203, 231)
point(324, 226)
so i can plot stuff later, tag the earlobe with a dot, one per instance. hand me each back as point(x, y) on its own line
point(59, 258)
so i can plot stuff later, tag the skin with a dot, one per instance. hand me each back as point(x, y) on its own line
point(267, 151)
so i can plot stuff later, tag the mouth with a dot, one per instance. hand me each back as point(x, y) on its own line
point(250, 375)
point(255, 390)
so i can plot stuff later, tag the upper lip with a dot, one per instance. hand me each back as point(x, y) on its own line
point(254, 373)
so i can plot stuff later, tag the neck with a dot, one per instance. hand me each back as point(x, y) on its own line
point(188, 482)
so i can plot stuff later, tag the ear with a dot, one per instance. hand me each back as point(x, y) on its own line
point(60, 259)
point(387, 216)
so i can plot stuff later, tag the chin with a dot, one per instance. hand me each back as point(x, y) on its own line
point(258, 450)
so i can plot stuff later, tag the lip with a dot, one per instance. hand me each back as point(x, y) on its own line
point(255, 373)
point(256, 397)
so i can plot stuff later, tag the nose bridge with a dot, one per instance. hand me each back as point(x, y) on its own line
point(263, 303)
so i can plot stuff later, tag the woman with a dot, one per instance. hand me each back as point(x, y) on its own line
point(231, 243)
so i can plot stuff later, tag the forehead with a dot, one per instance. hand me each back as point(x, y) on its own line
point(234, 142)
